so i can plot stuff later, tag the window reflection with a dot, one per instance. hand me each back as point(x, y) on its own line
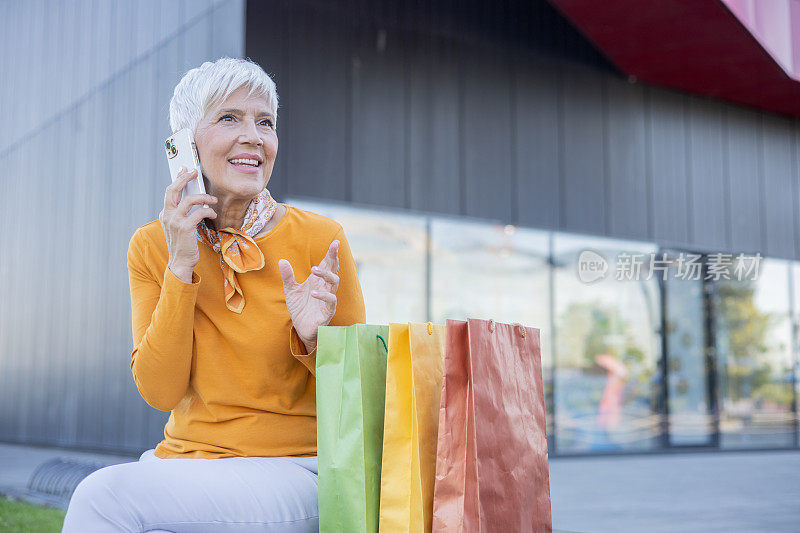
point(795, 325)
point(691, 420)
point(601, 339)
point(755, 360)
point(491, 271)
point(390, 255)
point(606, 351)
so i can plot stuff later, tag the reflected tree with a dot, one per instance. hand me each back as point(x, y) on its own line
point(745, 338)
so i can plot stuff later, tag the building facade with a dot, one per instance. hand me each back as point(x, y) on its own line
point(481, 157)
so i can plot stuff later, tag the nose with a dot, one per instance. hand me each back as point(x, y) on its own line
point(250, 133)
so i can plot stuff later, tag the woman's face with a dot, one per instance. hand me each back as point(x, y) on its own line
point(240, 127)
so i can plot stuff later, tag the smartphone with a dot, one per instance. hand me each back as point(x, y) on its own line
point(182, 152)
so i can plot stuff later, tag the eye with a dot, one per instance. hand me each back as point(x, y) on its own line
point(226, 116)
point(269, 122)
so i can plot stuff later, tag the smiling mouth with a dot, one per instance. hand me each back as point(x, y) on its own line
point(249, 163)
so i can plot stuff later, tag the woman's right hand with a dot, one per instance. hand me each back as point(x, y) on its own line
point(179, 229)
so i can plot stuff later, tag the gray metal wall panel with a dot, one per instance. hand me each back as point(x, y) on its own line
point(20, 343)
point(669, 167)
point(6, 61)
point(111, 210)
point(102, 38)
point(48, 48)
point(538, 139)
point(70, 19)
point(628, 194)
point(6, 401)
point(54, 301)
point(65, 348)
point(146, 26)
point(584, 182)
point(434, 151)
point(66, 273)
point(486, 128)
point(743, 154)
point(227, 35)
point(39, 42)
point(75, 341)
point(378, 104)
point(84, 44)
point(169, 19)
point(708, 208)
point(14, 276)
point(313, 138)
point(33, 364)
point(11, 314)
point(193, 43)
point(195, 8)
point(779, 186)
point(96, 265)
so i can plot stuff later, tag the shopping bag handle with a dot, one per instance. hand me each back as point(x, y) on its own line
point(521, 327)
point(384, 342)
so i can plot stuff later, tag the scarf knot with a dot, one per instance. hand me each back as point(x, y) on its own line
point(238, 252)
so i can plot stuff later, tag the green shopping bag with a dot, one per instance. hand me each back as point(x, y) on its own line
point(351, 390)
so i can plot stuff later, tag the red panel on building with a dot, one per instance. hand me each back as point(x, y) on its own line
point(742, 51)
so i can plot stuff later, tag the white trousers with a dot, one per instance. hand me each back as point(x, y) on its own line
point(238, 494)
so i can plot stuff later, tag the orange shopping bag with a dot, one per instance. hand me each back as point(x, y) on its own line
point(492, 466)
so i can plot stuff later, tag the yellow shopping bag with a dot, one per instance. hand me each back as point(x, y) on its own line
point(413, 393)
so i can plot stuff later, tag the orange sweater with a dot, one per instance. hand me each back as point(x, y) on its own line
point(237, 384)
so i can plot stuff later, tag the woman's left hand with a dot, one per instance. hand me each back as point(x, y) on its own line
point(312, 303)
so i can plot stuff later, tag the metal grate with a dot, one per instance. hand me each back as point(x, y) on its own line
point(55, 480)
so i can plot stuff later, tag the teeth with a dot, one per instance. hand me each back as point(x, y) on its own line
point(251, 162)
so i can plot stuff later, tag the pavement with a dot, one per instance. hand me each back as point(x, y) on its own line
point(689, 492)
point(692, 492)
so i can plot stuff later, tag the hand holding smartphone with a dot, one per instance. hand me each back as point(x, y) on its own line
point(182, 152)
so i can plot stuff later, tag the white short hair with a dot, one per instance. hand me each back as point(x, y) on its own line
point(212, 82)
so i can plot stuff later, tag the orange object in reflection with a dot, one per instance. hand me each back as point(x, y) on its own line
point(609, 411)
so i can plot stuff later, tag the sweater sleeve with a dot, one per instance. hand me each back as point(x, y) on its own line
point(163, 319)
point(349, 302)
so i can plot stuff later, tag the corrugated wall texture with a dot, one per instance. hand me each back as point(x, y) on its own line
point(85, 94)
point(502, 110)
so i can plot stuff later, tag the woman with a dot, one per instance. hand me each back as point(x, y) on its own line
point(224, 337)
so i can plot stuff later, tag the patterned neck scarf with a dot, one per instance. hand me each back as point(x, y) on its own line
point(238, 251)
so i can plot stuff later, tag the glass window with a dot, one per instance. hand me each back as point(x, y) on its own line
point(607, 319)
point(796, 341)
point(691, 414)
point(492, 271)
point(390, 254)
point(755, 358)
